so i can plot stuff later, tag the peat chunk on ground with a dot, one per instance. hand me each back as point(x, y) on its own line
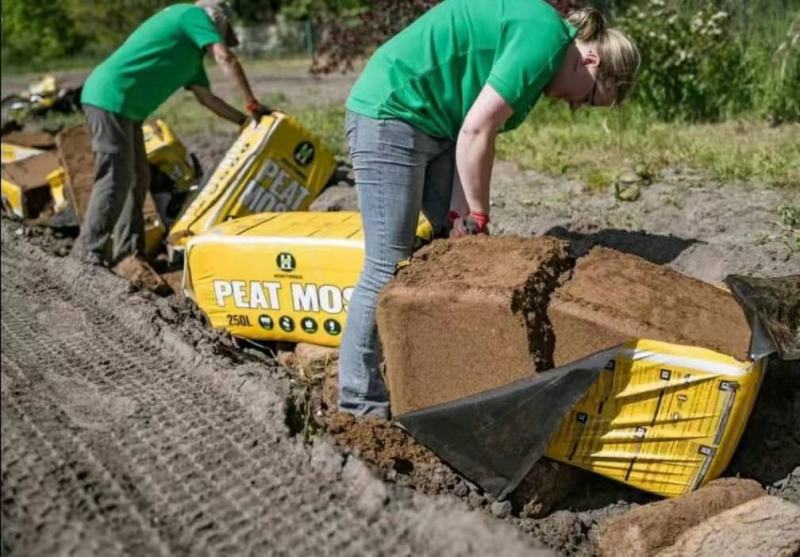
point(767, 527)
point(466, 316)
point(139, 273)
point(31, 139)
point(614, 297)
point(75, 152)
point(650, 528)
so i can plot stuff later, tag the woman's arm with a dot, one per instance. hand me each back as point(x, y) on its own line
point(475, 150)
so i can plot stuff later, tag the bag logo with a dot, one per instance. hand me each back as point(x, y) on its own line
point(286, 261)
point(304, 153)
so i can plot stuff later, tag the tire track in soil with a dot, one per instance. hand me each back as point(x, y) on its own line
point(185, 469)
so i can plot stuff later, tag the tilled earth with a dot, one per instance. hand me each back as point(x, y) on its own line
point(124, 435)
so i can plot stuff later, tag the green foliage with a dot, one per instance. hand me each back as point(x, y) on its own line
point(694, 64)
point(256, 11)
point(316, 9)
point(780, 91)
point(790, 215)
point(37, 31)
point(106, 23)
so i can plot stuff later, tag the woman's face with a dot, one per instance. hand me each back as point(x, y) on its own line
point(576, 82)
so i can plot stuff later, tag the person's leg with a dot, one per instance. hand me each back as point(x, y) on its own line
point(129, 229)
point(389, 160)
point(114, 161)
point(438, 186)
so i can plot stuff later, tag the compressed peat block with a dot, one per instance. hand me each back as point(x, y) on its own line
point(466, 316)
point(25, 185)
point(75, 152)
point(31, 172)
point(475, 314)
point(34, 140)
point(648, 529)
point(612, 297)
point(77, 159)
point(767, 527)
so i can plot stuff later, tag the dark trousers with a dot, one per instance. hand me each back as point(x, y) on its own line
point(113, 226)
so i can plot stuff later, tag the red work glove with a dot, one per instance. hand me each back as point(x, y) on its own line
point(470, 225)
point(257, 110)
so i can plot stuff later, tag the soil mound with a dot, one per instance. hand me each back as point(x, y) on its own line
point(379, 442)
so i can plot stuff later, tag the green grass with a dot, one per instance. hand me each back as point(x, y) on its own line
point(596, 145)
point(79, 62)
point(593, 146)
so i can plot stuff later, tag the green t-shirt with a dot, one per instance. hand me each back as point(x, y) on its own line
point(162, 55)
point(430, 74)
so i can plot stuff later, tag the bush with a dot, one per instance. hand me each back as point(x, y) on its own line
point(693, 61)
point(780, 92)
point(37, 31)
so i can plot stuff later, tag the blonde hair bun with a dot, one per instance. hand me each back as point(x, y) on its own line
point(589, 22)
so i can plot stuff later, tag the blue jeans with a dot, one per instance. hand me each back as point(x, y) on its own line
point(399, 171)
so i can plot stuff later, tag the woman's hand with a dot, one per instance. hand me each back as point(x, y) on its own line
point(469, 225)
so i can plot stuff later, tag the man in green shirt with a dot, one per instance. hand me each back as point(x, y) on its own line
point(162, 55)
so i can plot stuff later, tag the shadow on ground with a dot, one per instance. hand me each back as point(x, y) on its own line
point(653, 247)
point(770, 447)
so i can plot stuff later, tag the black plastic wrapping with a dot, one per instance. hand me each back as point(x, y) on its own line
point(495, 437)
point(772, 308)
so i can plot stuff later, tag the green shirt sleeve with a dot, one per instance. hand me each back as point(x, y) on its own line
point(199, 28)
point(199, 78)
point(528, 55)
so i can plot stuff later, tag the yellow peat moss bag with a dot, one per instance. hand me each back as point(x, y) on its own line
point(167, 153)
point(660, 417)
point(275, 166)
point(25, 186)
point(277, 276)
point(280, 276)
point(14, 153)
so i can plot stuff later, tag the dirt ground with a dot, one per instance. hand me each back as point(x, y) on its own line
point(130, 428)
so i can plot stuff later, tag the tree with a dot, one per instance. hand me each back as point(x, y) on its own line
point(37, 31)
point(357, 29)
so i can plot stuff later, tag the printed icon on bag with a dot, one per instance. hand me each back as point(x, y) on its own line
point(665, 374)
point(304, 153)
point(308, 325)
point(286, 323)
point(286, 261)
point(705, 450)
point(332, 327)
point(266, 322)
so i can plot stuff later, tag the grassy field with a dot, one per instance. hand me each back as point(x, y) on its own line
point(594, 146)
